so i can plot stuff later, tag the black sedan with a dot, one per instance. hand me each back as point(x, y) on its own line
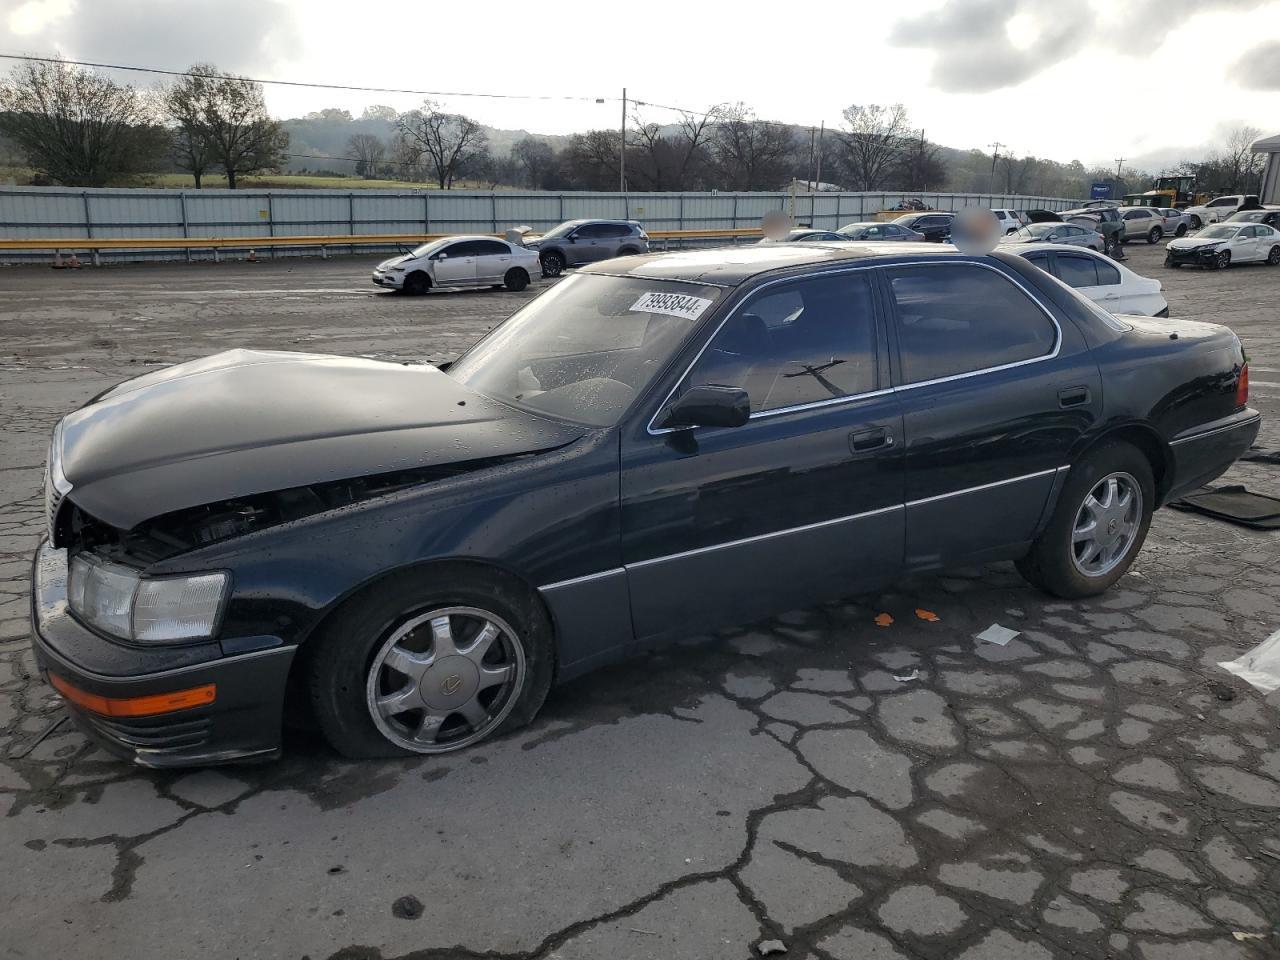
point(934, 226)
point(654, 447)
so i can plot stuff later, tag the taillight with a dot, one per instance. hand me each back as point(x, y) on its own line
point(1242, 386)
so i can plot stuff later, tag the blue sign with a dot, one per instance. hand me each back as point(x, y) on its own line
point(1100, 190)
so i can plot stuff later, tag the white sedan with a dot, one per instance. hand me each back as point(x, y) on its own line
point(1110, 285)
point(1222, 244)
point(453, 262)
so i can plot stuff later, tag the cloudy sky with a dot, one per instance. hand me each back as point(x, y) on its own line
point(1151, 80)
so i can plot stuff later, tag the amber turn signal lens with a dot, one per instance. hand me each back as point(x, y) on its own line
point(147, 706)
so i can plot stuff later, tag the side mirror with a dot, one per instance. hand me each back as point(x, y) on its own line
point(709, 405)
point(573, 239)
point(441, 256)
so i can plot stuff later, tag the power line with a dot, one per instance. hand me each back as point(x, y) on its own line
point(302, 83)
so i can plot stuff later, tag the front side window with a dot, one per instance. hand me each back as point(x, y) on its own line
point(592, 231)
point(799, 343)
point(961, 318)
point(1224, 202)
point(587, 347)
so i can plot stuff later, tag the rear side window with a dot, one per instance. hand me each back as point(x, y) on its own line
point(1077, 271)
point(490, 248)
point(1107, 274)
point(961, 318)
point(800, 343)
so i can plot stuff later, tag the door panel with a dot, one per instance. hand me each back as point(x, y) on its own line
point(982, 448)
point(801, 503)
point(458, 268)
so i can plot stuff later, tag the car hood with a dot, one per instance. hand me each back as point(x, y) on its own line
point(395, 261)
point(1191, 243)
point(247, 421)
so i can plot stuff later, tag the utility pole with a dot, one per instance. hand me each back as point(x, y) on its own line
point(813, 139)
point(817, 177)
point(1119, 163)
point(995, 152)
point(622, 150)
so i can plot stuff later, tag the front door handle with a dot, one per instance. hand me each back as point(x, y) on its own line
point(1073, 397)
point(872, 439)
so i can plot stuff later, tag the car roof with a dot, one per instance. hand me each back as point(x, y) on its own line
point(731, 266)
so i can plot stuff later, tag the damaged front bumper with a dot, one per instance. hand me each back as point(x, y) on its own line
point(145, 703)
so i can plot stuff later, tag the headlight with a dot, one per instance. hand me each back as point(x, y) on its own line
point(116, 600)
point(397, 269)
point(56, 486)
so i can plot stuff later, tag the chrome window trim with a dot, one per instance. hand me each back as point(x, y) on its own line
point(1057, 346)
point(1215, 430)
point(771, 535)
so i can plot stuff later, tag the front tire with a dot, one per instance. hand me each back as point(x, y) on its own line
point(1196, 222)
point(1171, 263)
point(417, 284)
point(515, 280)
point(1154, 235)
point(552, 264)
point(1181, 231)
point(1222, 260)
point(425, 664)
point(1098, 526)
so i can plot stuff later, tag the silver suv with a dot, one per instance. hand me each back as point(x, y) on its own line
point(576, 242)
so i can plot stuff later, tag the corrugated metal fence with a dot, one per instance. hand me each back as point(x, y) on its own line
point(55, 212)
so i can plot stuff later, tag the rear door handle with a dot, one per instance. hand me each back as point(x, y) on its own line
point(873, 439)
point(1073, 397)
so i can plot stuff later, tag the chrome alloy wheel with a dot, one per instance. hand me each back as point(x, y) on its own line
point(445, 679)
point(1106, 524)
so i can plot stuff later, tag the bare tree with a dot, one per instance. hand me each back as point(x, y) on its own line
point(670, 157)
point(1016, 170)
point(1243, 165)
point(369, 152)
point(75, 126)
point(447, 140)
point(747, 153)
point(920, 166)
point(590, 160)
point(380, 111)
point(535, 158)
point(229, 113)
point(873, 142)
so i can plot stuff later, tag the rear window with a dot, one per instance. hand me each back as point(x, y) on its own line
point(963, 318)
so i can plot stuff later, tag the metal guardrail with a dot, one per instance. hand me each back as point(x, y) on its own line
point(94, 246)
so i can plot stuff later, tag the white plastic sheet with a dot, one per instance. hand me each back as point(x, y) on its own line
point(1260, 666)
point(997, 634)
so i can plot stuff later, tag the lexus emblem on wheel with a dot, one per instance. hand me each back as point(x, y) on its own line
point(451, 684)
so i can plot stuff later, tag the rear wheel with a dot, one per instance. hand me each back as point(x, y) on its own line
point(1222, 260)
point(1098, 526)
point(1154, 235)
point(417, 284)
point(516, 279)
point(430, 665)
point(552, 264)
point(628, 252)
point(1273, 258)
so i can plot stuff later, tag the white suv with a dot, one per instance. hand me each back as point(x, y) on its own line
point(1010, 220)
point(1219, 209)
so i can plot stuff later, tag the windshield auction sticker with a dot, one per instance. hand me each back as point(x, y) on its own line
point(672, 304)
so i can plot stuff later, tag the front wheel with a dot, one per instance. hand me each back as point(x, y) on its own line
point(516, 279)
point(1098, 526)
point(552, 264)
point(1222, 260)
point(1154, 235)
point(416, 284)
point(1170, 262)
point(1196, 223)
point(1181, 231)
point(423, 665)
point(1273, 258)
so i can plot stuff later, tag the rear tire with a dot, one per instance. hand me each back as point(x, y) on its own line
point(352, 645)
point(1273, 258)
point(628, 252)
point(515, 280)
point(416, 284)
point(1054, 563)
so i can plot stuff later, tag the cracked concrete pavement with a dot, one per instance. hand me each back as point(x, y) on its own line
point(1096, 788)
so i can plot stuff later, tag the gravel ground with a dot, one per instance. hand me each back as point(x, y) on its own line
point(1097, 788)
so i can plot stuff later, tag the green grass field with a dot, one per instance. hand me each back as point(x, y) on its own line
point(21, 176)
